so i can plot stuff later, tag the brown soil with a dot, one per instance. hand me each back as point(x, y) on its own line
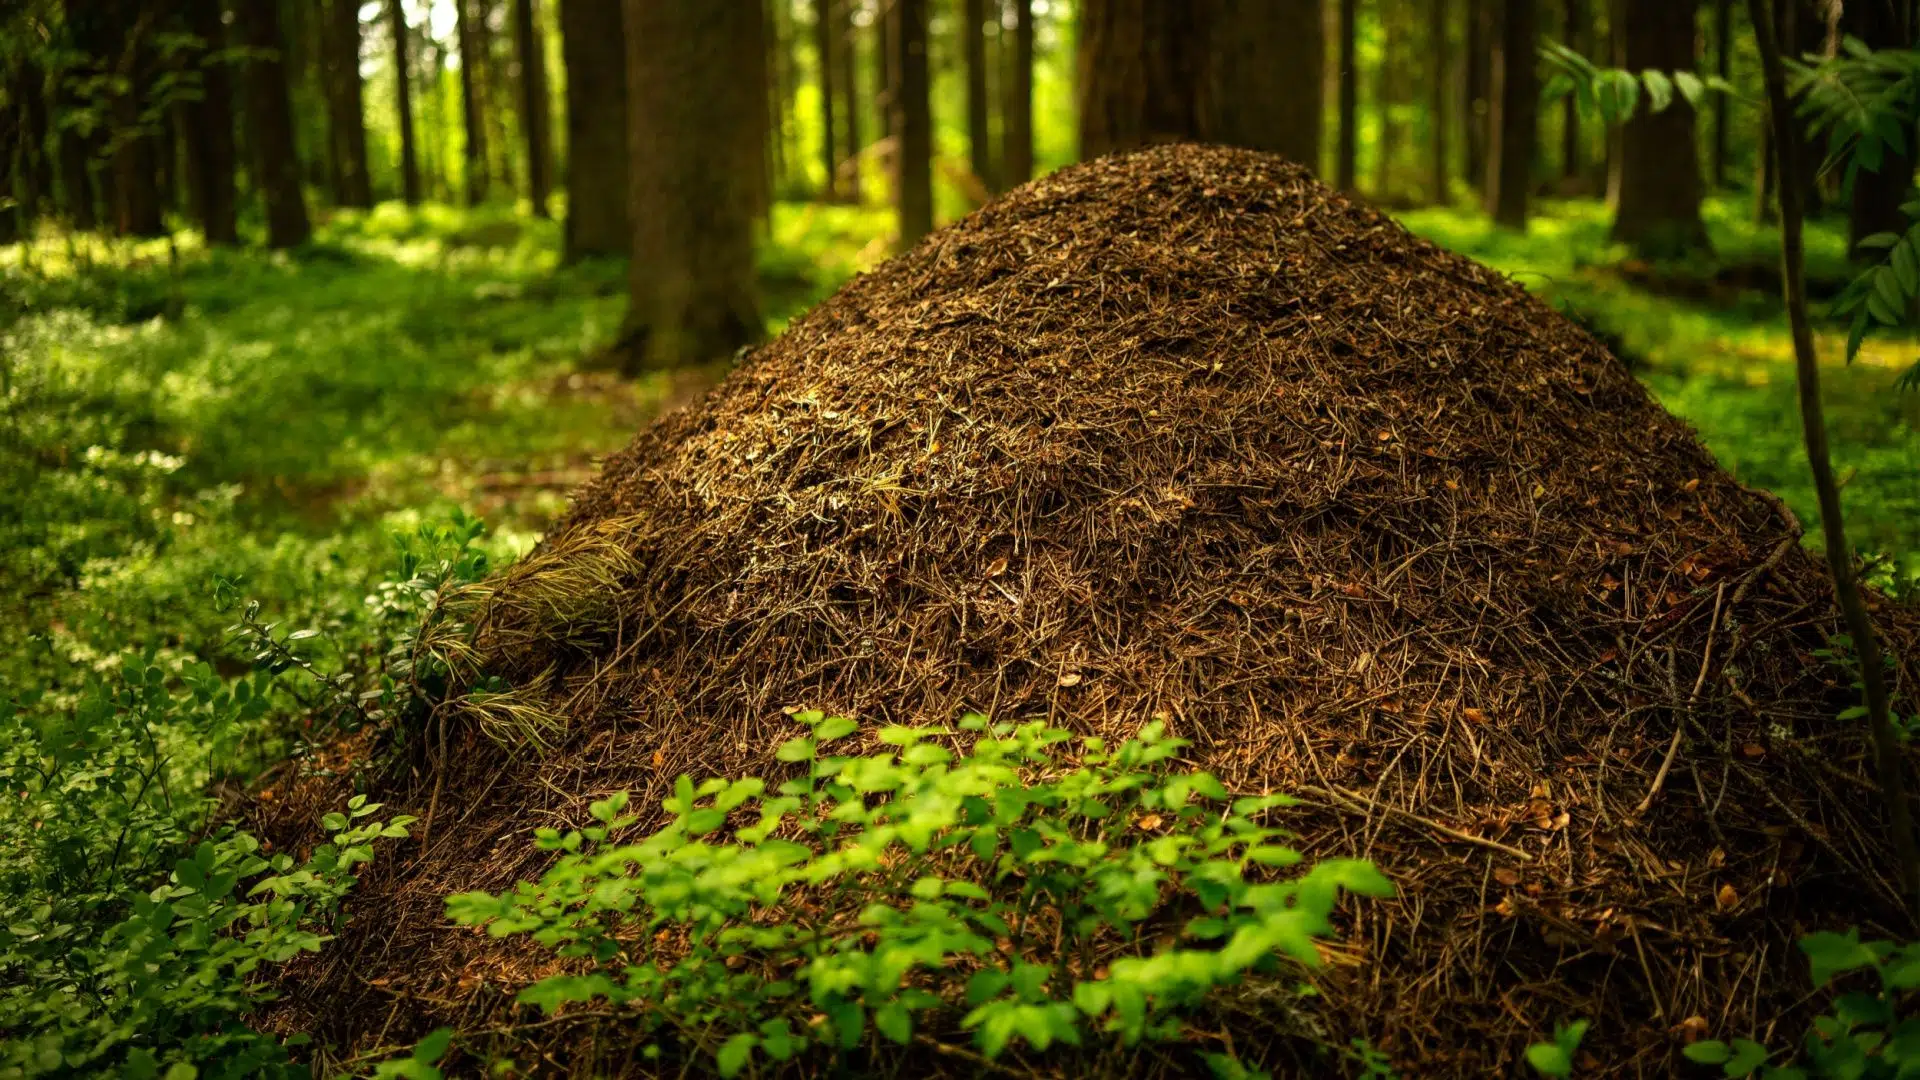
point(1187, 433)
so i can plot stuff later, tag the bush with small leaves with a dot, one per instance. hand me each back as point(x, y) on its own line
point(1028, 888)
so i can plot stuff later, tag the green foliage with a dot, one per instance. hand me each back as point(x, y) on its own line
point(1029, 889)
point(1614, 94)
point(163, 991)
point(1862, 101)
point(1869, 1031)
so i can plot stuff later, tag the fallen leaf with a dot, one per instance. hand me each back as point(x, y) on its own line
point(1726, 899)
point(1474, 715)
point(1753, 750)
point(997, 567)
point(1693, 1028)
point(1691, 485)
point(1149, 823)
point(1071, 678)
point(1506, 875)
point(659, 759)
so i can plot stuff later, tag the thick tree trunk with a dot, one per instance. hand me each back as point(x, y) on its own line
point(594, 47)
point(913, 119)
point(209, 130)
point(1655, 181)
point(779, 91)
point(135, 168)
point(1386, 94)
point(1346, 156)
point(1266, 59)
point(403, 88)
point(695, 124)
point(535, 119)
point(346, 106)
point(1722, 66)
point(825, 65)
point(1439, 95)
point(1874, 203)
point(1513, 124)
point(847, 51)
point(1141, 69)
point(270, 117)
point(472, 109)
point(1573, 31)
point(973, 18)
point(1017, 129)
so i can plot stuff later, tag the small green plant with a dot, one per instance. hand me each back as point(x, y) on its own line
point(1868, 1033)
point(1032, 888)
point(1556, 1058)
point(164, 990)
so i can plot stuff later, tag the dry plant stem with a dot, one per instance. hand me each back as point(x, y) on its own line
point(1679, 729)
point(1846, 589)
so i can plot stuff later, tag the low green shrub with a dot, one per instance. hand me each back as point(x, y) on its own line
point(1031, 888)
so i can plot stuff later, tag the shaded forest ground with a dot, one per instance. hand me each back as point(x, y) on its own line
point(272, 420)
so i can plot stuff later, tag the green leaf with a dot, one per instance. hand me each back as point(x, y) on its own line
point(1707, 1052)
point(1549, 1060)
point(795, 750)
point(1747, 1056)
point(734, 1053)
point(1659, 89)
point(895, 1022)
point(834, 727)
point(434, 1046)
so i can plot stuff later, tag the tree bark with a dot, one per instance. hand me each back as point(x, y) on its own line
point(209, 130)
point(823, 52)
point(1141, 68)
point(535, 119)
point(346, 105)
point(117, 33)
point(913, 119)
point(1017, 128)
point(1439, 173)
point(1265, 87)
point(403, 89)
point(1478, 108)
point(594, 48)
point(695, 73)
point(1386, 93)
point(1513, 124)
point(472, 109)
point(270, 114)
point(1655, 181)
point(973, 19)
point(848, 82)
point(1573, 30)
point(1722, 66)
point(1346, 156)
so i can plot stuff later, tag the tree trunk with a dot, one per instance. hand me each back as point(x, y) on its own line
point(1265, 90)
point(472, 111)
point(1655, 182)
point(779, 92)
point(1346, 155)
point(535, 119)
point(77, 196)
point(346, 106)
point(1141, 69)
point(1439, 175)
point(209, 130)
point(594, 47)
point(973, 20)
point(1512, 126)
point(1017, 128)
point(1386, 93)
point(913, 119)
point(1573, 30)
point(1722, 66)
point(695, 127)
point(823, 52)
point(1478, 108)
point(270, 115)
point(403, 89)
point(848, 82)
point(117, 34)
point(1874, 203)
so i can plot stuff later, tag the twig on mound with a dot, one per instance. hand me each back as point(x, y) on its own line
point(1358, 802)
point(1673, 746)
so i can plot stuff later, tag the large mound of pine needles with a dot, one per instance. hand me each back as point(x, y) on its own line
point(1186, 433)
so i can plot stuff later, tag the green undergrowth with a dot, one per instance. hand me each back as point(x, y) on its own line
point(1709, 338)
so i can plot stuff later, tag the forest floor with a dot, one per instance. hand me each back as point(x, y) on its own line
point(271, 419)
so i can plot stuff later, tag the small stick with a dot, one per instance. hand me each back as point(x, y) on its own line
point(1673, 747)
point(1341, 794)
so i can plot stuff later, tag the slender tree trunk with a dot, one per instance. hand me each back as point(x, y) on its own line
point(695, 127)
point(1573, 33)
point(1386, 86)
point(595, 51)
point(1439, 87)
point(270, 113)
point(1477, 111)
point(848, 82)
point(779, 91)
point(823, 51)
point(403, 90)
point(209, 130)
point(13, 223)
point(1846, 588)
point(1346, 155)
point(121, 32)
point(1017, 131)
point(77, 195)
point(472, 111)
point(535, 120)
point(1513, 125)
point(1655, 184)
point(346, 105)
point(1723, 66)
point(913, 119)
point(973, 18)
